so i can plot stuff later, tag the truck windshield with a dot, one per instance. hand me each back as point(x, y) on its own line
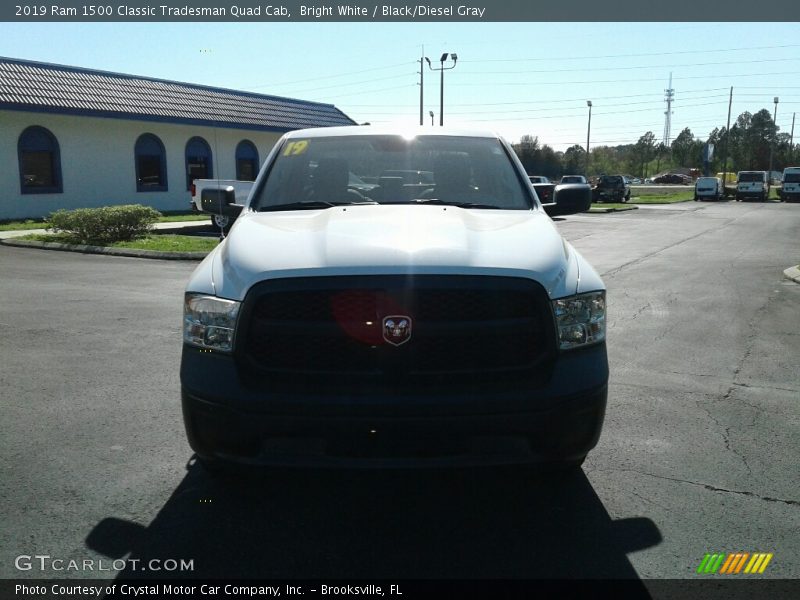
point(391, 169)
point(791, 178)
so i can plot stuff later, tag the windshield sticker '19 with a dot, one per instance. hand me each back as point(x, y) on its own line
point(295, 148)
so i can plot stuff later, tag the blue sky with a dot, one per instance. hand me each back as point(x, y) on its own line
point(516, 78)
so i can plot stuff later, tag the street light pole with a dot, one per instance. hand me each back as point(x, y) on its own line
point(442, 69)
point(772, 142)
point(430, 112)
point(588, 132)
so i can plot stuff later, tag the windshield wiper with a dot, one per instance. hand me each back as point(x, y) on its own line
point(458, 204)
point(309, 205)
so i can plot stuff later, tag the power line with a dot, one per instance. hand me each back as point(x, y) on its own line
point(630, 68)
point(595, 81)
point(552, 58)
point(347, 74)
point(338, 85)
point(581, 99)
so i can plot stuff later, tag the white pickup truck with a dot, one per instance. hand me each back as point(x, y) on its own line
point(241, 190)
point(382, 320)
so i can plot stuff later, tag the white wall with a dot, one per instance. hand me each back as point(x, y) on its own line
point(97, 161)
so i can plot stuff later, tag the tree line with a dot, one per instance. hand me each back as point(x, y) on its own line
point(747, 145)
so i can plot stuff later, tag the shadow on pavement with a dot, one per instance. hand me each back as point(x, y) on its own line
point(477, 523)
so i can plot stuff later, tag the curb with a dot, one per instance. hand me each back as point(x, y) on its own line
point(129, 252)
point(793, 273)
point(610, 210)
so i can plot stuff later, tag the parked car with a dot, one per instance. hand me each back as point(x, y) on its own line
point(611, 188)
point(333, 328)
point(673, 179)
point(544, 188)
point(708, 188)
point(752, 184)
point(790, 188)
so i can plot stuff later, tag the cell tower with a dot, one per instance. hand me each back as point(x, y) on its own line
point(669, 96)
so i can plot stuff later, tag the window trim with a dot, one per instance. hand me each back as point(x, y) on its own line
point(210, 174)
point(162, 160)
point(55, 158)
point(240, 146)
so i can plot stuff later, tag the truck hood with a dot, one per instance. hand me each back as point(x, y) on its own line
point(397, 239)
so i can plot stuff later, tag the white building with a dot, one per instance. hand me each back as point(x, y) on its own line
point(73, 137)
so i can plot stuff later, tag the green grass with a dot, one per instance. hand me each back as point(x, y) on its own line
point(169, 217)
point(189, 216)
point(602, 205)
point(682, 196)
point(657, 190)
point(26, 224)
point(161, 243)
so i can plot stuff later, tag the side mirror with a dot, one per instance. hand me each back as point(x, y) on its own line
point(570, 198)
point(220, 201)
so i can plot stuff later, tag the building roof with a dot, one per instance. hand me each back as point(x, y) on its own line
point(43, 87)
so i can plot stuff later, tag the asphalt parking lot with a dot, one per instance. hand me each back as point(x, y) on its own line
point(699, 452)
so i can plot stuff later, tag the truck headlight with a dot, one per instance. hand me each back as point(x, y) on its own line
point(209, 322)
point(581, 319)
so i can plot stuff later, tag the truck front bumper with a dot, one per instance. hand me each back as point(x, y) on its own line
point(227, 419)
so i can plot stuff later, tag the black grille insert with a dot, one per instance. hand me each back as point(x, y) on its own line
point(333, 328)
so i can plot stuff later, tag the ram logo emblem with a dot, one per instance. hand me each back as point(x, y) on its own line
point(397, 329)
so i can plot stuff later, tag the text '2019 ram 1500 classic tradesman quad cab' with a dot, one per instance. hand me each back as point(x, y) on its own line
point(423, 323)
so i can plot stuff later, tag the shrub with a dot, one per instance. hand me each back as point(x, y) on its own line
point(106, 224)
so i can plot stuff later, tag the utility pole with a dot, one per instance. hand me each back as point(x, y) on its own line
point(421, 82)
point(588, 132)
point(727, 138)
point(791, 140)
point(772, 142)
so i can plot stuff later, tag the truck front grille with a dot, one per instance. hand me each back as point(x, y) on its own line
point(473, 328)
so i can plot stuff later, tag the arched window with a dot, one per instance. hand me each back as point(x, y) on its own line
point(39, 162)
point(198, 161)
point(151, 164)
point(246, 161)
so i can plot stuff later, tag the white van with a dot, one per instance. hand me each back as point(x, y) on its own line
point(790, 190)
point(752, 184)
point(708, 188)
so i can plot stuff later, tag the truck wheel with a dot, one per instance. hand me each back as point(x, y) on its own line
point(627, 197)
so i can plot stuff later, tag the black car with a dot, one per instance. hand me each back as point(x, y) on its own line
point(611, 188)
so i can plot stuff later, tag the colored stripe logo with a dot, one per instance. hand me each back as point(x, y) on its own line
point(734, 563)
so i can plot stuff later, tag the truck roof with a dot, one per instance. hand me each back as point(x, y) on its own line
point(389, 130)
